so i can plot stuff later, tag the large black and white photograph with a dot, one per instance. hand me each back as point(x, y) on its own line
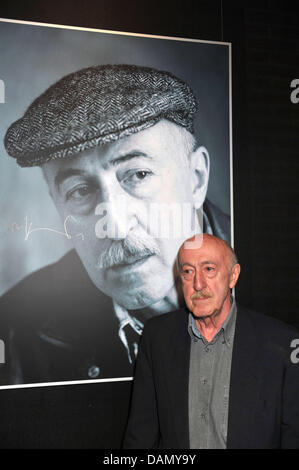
point(115, 148)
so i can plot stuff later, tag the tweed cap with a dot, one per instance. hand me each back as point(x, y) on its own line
point(95, 106)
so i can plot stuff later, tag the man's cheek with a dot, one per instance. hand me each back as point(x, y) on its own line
point(88, 250)
point(187, 292)
point(79, 229)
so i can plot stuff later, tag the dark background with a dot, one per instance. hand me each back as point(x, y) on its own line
point(265, 52)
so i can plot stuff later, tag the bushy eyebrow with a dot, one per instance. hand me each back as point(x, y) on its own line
point(186, 264)
point(129, 156)
point(68, 173)
point(202, 264)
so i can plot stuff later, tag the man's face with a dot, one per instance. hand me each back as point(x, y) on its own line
point(207, 277)
point(110, 190)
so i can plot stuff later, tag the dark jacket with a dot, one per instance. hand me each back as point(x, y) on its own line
point(59, 327)
point(263, 401)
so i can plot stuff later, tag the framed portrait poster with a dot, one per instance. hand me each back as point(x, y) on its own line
point(115, 147)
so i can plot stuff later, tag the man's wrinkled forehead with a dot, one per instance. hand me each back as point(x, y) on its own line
point(204, 248)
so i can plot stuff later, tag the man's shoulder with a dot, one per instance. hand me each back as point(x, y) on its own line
point(64, 284)
point(166, 332)
point(58, 270)
point(167, 324)
point(266, 328)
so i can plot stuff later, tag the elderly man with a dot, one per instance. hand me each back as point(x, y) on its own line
point(115, 144)
point(215, 375)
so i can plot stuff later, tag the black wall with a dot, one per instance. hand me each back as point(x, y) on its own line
point(265, 45)
point(265, 40)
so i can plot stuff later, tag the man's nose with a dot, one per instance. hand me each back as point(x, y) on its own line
point(199, 282)
point(117, 218)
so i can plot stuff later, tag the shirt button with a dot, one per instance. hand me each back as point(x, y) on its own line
point(93, 372)
point(204, 381)
point(202, 415)
point(207, 349)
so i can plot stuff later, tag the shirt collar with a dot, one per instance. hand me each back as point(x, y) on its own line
point(126, 319)
point(228, 326)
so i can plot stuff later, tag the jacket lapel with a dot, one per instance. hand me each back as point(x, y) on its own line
point(243, 384)
point(179, 380)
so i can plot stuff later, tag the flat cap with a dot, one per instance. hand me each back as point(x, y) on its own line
point(95, 106)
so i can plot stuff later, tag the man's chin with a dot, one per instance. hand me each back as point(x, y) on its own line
point(150, 297)
point(134, 302)
point(135, 286)
point(201, 312)
point(132, 274)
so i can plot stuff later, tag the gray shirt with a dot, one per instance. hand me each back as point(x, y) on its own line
point(209, 379)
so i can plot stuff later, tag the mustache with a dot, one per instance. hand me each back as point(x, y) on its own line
point(133, 248)
point(201, 294)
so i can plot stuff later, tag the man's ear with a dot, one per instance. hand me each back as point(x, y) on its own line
point(234, 275)
point(200, 169)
